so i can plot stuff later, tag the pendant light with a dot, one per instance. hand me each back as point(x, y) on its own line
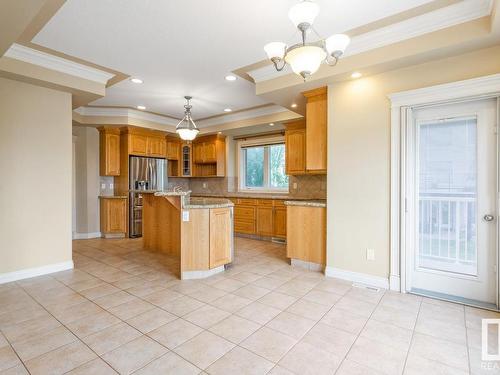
point(306, 58)
point(186, 128)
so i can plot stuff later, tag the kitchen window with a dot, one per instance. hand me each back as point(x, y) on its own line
point(262, 165)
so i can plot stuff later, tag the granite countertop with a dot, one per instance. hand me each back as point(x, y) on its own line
point(306, 203)
point(112, 196)
point(193, 203)
point(172, 193)
point(256, 196)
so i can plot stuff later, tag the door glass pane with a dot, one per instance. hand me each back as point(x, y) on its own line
point(279, 179)
point(447, 195)
point(254, 168)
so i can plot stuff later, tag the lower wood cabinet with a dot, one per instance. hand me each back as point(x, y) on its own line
point(280, 222)
point(220, 236)
point(265, 218)
point(306, 234)
point(262, 217)
point(113, 212)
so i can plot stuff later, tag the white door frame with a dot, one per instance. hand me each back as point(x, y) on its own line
point(401, 109)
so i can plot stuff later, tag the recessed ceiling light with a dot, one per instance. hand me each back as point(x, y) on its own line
point(227, 110)
point(230, 78)
point(141, 107)
point(136, 80)
point(271, 124)
point(219, 132)
point(356, 75)
point(294, 105)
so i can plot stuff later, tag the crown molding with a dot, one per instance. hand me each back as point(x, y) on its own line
point(443, 18)
point(241, 115)
point(46, 60)
point(128, 113)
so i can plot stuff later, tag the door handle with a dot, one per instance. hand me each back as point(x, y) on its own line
point(488, 217)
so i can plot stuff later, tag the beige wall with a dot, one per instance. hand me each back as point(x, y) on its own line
point(359, 155)
point(87, 187)
point(35, 187)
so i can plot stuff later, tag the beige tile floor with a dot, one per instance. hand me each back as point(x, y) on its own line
point(123, 310)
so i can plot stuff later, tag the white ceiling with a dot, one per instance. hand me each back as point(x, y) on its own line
point(186, 47)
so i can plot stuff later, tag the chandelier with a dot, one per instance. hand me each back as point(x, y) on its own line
point(186, 128)
point(306, 58)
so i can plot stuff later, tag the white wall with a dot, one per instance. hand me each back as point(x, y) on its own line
point(87, 181)
point(35, 182)
point(359, 155)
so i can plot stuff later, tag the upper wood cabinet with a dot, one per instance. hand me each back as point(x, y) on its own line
point(173, 149)
point(109, 152)
point(220, 236)
point(156, 146)
point(295, 153)
point(316, 130)
point(137, 144)
point(209, 156)
point(142, 142)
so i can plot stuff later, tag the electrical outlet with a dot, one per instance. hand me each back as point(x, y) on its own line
point(205, 185)
point(103, 186)
point(294, 186)
point(111, 185)
point(370, 254)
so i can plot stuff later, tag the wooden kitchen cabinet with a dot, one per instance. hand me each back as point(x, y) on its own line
point(306, 234)
point(279, 219)
point(316, 130)
point(156, 147)
point(173, 149)
point(113, 215)
point(137, 144)
point(295, 152)
point(109, 151)
point(220, 237)
point(209, 156)
point(262, 217)
point(265, 218)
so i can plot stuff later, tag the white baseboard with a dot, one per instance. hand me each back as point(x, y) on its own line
point(307, 265)
point(33, 272)
point(86, 236)
point(357, 277)
point(190, 275)
point(395, 283)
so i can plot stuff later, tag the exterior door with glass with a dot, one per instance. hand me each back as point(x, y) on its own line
point(451, 213)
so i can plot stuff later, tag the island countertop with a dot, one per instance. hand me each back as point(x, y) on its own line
point(193, 203)
point(307, 203)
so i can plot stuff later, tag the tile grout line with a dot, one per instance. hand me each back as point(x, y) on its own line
point(412, 335)
point(359, 334)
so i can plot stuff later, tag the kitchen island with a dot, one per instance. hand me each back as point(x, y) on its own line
point(197, 230)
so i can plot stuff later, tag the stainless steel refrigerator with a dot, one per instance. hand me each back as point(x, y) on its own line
point(146, 175)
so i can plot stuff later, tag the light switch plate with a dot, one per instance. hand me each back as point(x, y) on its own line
point(294, 186)
point(204, 185)
point(111, 186)
point(185, 215)
point(370, 254)
point(103, 186)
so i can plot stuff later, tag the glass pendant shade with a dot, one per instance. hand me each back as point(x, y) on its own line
point(187, 134)
point(305, 60)
point(303, 12)
point(275, 50)
point(337, 43)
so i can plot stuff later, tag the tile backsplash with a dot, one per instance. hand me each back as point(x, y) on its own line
point(308, 186)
